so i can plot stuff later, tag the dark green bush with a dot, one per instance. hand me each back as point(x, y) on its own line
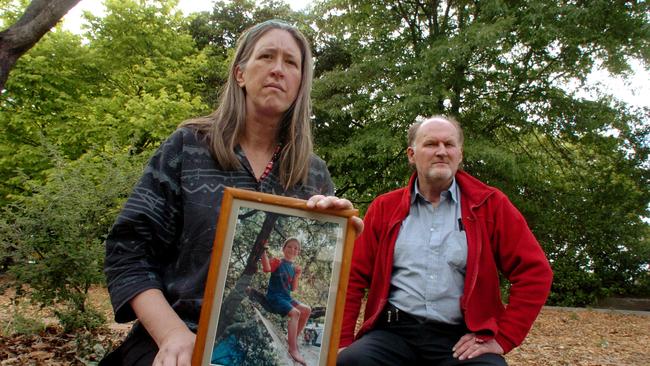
point(54, 237)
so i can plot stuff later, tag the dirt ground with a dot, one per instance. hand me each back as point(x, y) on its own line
point(584, 337)
point(580, 337)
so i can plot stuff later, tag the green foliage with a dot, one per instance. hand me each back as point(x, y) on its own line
point(10, 11)
point(54, 237)
point(20, 324)
point(78, 116)
point(136, 75)
point(42, 96)
point(72, 319)
point(577, 169)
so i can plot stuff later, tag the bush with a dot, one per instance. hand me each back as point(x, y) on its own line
point(20, 324)
point(573, 286)
point(54, 237)
point(72, 319)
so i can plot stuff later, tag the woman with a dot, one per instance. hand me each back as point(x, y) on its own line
point(259, 138)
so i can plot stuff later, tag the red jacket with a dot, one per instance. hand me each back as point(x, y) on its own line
point(498, 239)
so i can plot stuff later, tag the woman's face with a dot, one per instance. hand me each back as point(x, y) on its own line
point(272, 75)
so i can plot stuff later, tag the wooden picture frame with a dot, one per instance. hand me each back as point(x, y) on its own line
point(238, 323)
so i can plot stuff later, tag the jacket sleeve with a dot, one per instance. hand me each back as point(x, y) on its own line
point(320, 178)
point(141, 240)
point(523, 262)
point(275, 263)
point(363, 259)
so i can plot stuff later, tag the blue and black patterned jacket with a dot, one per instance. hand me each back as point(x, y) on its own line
point(163, 237)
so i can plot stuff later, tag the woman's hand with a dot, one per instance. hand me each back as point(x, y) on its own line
point(176, 348)
point(174, 339)
point(333, 202)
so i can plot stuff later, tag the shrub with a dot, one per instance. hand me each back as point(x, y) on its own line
point(20, 324)
point(54, 237)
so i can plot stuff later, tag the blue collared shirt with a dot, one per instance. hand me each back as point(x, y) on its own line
point(430, 259)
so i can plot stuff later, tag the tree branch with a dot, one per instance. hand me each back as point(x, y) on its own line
point(40, 16)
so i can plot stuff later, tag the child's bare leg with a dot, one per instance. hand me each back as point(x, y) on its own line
point(305, 311)
point(292, 335)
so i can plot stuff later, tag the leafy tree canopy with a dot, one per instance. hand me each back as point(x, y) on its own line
point(129, 82)
point(577, 168)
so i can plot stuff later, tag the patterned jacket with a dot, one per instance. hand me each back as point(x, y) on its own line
point(163, 237)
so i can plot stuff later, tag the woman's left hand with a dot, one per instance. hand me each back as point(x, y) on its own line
point(333, 202)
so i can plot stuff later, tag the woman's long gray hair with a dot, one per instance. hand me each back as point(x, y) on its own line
point(225, 126)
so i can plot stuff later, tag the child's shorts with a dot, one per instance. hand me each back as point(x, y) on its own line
point(282, 306)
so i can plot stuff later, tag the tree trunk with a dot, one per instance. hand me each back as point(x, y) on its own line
point(39, 18)
point(231, 302)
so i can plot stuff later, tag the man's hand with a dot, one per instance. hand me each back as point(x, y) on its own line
point(333, 202)
point(176, 348)
point(469, 347)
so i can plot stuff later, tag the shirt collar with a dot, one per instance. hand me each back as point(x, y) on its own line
point(451, 193)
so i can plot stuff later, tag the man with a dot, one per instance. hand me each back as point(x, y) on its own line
point(429, 257)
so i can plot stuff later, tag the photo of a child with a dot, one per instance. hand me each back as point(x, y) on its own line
point(284, 279)
point(276, 290)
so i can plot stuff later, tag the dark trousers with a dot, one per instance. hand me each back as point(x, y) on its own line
point(410, 341)
point(138, 349)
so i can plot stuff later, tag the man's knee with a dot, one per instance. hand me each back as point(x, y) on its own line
point(359, 357)
point(377, 348)
point(351, 357)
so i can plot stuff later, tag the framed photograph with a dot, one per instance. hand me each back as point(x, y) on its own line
point(276, 286)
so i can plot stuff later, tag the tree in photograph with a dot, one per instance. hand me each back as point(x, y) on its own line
point(237, 291)
point(257, 228)
point(246, 287)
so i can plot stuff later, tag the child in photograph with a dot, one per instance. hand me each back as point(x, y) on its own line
point(284, 279)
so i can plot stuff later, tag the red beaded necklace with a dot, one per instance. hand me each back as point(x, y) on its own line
point(269, 165)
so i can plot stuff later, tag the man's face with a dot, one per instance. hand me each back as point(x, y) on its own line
point(437, 152)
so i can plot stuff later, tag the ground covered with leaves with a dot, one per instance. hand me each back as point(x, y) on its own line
point(584, 337)
point(580, 337)
point(31, 336)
